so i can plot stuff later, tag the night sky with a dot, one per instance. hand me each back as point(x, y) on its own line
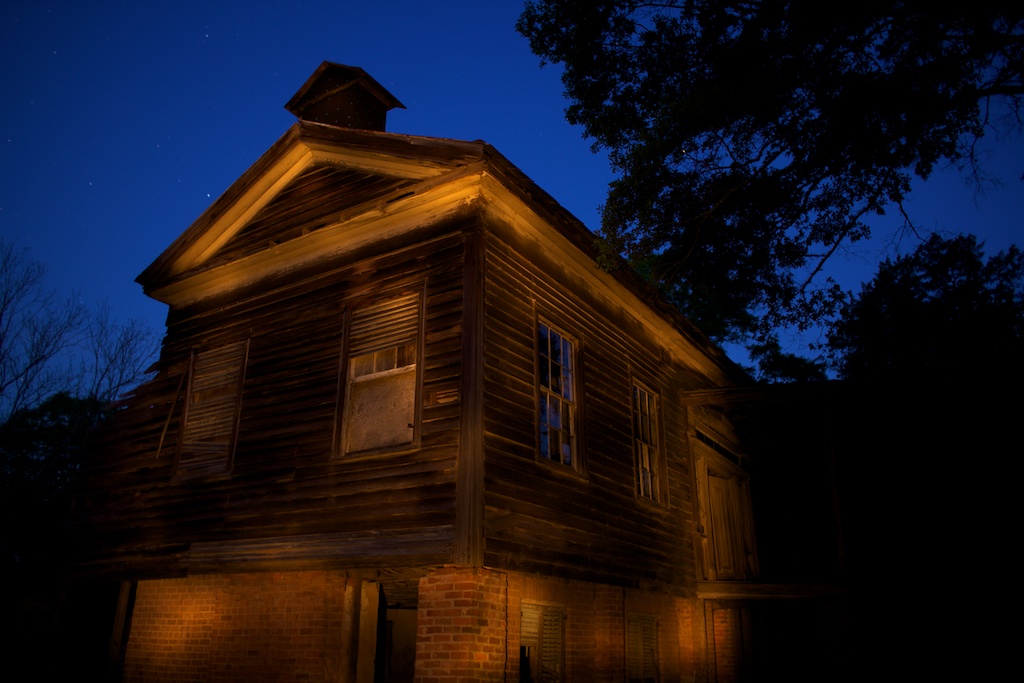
point(122, 121)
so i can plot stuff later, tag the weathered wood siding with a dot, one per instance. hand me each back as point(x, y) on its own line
point(541, 516)
point(318, 197)
point(289, 498)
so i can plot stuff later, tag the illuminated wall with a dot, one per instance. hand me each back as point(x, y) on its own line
point(236, 627)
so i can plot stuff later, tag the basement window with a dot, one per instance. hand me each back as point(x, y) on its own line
point(556, 385)
point(642, 648)
point(541, 643)
point(210, 422)
point(382, 376)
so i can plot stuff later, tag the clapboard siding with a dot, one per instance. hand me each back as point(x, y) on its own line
point(544, 518)
point(315, 199)
point(287, 482)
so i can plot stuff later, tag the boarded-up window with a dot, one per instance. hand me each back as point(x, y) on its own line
point(645, 442)
point(380, 401)
point(211, 410)
point(557, 396)
point(642, 648)
point(541, 652)
point(726, 525)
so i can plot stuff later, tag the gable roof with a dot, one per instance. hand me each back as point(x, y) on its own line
point(387, 184)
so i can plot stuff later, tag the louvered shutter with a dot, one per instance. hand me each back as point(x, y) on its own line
point(211, 413)
point(642, 649)
point(551, 645)
point(541, 638)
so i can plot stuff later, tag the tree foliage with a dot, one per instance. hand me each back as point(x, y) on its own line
point(942, 315)
point(41, 449)
point(61, 365)
point(753, 139)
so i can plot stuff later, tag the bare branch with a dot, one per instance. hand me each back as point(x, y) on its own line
point(50, 344)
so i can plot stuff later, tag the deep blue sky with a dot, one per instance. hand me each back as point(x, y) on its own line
point(122, 121)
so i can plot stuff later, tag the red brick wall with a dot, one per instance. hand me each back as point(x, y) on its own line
point(726, 625)
point(234, 627)
point(595, 629)
point(690, 635)
point(462, 625)
point(288, 626)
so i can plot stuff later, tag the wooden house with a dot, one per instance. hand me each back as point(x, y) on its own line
point(405, 427)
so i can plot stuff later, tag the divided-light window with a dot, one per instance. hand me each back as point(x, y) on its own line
point(382, 378)
point(557, 396)
point(645, 444)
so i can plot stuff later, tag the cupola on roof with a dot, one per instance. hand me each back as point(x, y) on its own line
point(344, 96)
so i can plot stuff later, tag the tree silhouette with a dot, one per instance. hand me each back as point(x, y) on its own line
point(51, 343)
point(754, 139)
point(61, 366)
point(942, 315)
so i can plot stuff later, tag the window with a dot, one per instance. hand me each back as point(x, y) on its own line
point(725, 523)
point(211, 411)
point(541, 646)
point(382, 377)
point(645, 444)
point(557, 400)
point(642, 649)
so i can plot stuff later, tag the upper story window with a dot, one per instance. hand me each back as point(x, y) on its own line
point(646, 448)
point(382, 375)
point(556, 360)
point(210, 422)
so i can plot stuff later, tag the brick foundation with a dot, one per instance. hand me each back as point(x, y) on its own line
point(462, 626)
point(298, 626)
point(595, 627)
point(235, 627)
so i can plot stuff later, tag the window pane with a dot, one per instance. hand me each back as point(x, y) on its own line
point(362, 365)
point(386, 359)
point(545, 374)
point(406, 355)
point(556, 382)
point(555, 414)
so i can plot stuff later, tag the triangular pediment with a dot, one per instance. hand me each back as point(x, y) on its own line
point(316, 198)
point(313, 178)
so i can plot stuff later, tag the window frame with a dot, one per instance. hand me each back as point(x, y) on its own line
point(191, 458)
point(543, 394)
point(397, 342)
point(654, 443)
